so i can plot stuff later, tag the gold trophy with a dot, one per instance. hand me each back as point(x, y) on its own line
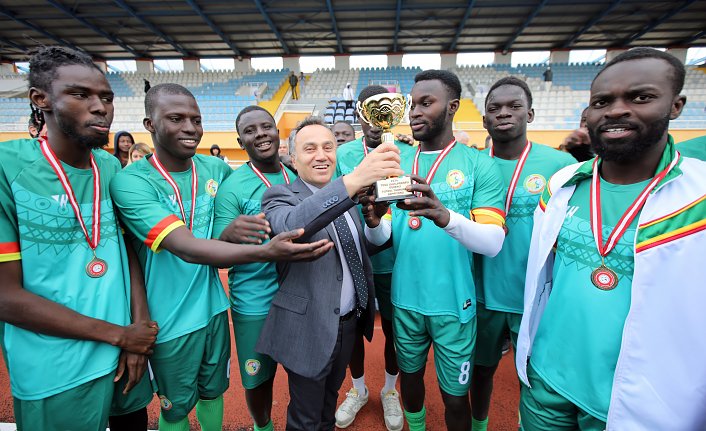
point(385, 111)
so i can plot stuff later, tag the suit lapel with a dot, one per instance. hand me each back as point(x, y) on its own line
point(304, 192)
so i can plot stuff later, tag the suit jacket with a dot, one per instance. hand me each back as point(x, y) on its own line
point(301, 328)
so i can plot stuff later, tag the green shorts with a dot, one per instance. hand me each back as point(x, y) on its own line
point(138, 397)
point(493, 327)
point(454, 343)
point(383, 293)
point(543, 409)
point(85, 407)
point(255, 368)
point(193, 366)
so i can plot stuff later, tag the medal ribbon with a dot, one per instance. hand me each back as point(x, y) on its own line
point(515, 175)
point(627, 217)
point(435, 165)
point(262, 177)
point(365, 148)
point(170, 180)
point(94, 238)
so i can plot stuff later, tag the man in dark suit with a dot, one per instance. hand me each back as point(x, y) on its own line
point(311, 325)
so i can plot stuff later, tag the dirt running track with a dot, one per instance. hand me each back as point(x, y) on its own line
point(503, 413)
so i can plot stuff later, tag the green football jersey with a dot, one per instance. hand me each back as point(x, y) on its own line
point(433, 272)
point(578, 340)
point(347, 158)
point(695, 148)
point(500, 280)
point(252, 285)
point(38, 226)
point(182, 296)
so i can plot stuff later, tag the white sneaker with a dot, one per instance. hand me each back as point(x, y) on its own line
point(345, 415)
point(394, 419)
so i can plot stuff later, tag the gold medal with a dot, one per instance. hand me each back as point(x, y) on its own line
point(604, 278)
point(97, 267)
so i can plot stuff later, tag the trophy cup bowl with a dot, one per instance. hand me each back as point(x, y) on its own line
point(385, 111)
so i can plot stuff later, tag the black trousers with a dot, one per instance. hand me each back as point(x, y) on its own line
point(312, 404)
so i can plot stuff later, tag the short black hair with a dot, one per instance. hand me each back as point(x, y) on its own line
point(371, 90)
point(167, 88)
point(639, 53)
point(449, 79)
point(251, 108)
point(44, 62)
point(343, 122)
point(511, 80)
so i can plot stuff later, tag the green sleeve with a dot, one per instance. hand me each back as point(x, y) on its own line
point(488, 191)
point(227, 207)
point(141, 210)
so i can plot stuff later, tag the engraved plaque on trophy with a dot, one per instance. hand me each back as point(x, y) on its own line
point(385, 111)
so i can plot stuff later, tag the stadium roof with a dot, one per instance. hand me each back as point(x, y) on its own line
point(128, 29)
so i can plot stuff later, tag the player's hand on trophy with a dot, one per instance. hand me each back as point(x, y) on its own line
point(407, 139)
point(373, 212)
point(425, 203)
point(247, 229)
point(282, 247)
point(380, 163)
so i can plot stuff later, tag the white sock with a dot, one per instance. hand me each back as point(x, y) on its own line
point(390, 382)
point(359, 384)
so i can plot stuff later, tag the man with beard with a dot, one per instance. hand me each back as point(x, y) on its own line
point(612, 331)
point(166, 202)
point(252, 285)
point(347, 159)
point(500, 280)
point(457, 211)
point(69, 287)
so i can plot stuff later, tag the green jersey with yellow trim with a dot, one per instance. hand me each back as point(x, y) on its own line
point(182, 296)
point(39, 227)
point(578, 340)
point(252, 285)
point(433, 272)
point(500, 280)
point(348, 157)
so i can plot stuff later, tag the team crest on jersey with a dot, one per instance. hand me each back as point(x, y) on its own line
point(455, 178)
point(165, 403)
point(535, 184)
point(252, 367)
point(467, 303)
point(211, 187)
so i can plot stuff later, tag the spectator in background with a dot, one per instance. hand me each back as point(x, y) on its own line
point(293, 81)
point(216, 152)
point(462, 137)
point(343, 132)
point(138, 151)
point(548, 77)
point(302, 81)
point(147, 85)
point(578, 143)
point(121, 146)
point(348, 95)
point(284, 155)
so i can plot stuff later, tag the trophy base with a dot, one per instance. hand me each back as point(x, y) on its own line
point(393, 189)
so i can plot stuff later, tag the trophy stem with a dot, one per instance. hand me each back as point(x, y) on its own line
point(387, 136)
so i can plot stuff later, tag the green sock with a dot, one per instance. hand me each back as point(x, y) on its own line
point(417, 421)
point(268, 427)
point(210, 414)
point(182, 425)
point(479, 425)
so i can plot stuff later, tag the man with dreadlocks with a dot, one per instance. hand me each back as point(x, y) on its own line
point(72, 332)
point(36, 126)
